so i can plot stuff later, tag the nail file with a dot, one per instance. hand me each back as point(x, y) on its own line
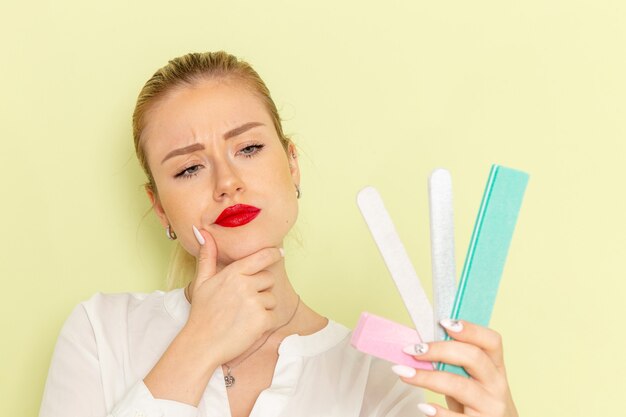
point(398, 262)
point(442, 246)
point(488, 249)
point(385, 339)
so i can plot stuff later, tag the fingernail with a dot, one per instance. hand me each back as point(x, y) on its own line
point(282, 252)
point(427, 409)
point(198, 236)
point(452, 325)
point(417, 349)
point(404, 371)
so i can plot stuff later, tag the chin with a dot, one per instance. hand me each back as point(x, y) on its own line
point(229, 253)
point(237, 243)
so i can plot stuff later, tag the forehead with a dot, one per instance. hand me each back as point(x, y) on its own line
point(201, 111)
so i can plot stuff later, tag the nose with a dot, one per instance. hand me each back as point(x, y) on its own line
point(227, 180)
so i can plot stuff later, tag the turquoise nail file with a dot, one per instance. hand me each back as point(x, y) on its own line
point(488, 249)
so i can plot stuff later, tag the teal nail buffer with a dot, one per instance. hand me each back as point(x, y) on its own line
point(488, 249)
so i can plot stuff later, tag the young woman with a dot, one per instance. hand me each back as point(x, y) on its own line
point(237, 340)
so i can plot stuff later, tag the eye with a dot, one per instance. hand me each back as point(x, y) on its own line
point(251, 150)
point(189, 172)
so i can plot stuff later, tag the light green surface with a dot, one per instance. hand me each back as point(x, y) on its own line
point(374, 93)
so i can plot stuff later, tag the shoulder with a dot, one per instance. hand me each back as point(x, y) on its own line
point(132, 304)
point(106, 313)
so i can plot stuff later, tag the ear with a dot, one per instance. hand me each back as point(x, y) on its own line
point(294, 168)
point(156, 205)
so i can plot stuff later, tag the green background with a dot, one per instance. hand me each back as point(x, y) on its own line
point(374, 94)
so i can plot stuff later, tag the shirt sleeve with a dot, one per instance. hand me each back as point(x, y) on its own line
point(74, 385)
point(386, 395)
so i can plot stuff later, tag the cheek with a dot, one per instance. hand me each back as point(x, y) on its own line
point(179, 207)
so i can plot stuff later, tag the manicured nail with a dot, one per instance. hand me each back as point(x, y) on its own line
point(427, 409)
point(282, 252)
point(404, 371)
point(198, 236)
point(452, 325)
point(416, 350)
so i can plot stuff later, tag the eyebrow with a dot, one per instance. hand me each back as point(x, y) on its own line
point(182, 151)
point(241, 129)
point(198, 146)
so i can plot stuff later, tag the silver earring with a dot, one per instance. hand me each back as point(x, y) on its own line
point(171, 235)
point(298, 193)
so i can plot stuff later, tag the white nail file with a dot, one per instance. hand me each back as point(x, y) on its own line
point(398, 261)
point(442, 246)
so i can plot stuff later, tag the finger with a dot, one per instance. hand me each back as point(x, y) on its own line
point(437, 410)
point(263, 281)
point(475, 360)
point(268, 300)
point(465, 390)
point(258, 261)
point(488, 340)
point(206, 261)
point(453, 404)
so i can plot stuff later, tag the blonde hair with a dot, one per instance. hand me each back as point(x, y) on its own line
point(183, 71)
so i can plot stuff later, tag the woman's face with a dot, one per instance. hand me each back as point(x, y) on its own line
point(212, 146)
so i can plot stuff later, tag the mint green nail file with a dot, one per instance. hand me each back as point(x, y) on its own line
point(489, 245)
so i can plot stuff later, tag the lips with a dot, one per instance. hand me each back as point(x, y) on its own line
point(237, 215)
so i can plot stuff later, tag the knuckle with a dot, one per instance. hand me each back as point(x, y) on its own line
point(241, 286)
point(474, 354)
point(495, 341)
point(458, 384)
point(265, 321)
point(501, 386)
point(265, 255)
point(499, 408)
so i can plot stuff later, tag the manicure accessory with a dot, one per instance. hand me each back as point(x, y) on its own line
point(298, 192)
point(397, 261)
point(385, 339)
point(488, 249)
point(171, 235)
point(475, 296)
point(442, 246)
point(417, 349)
point(229, 379)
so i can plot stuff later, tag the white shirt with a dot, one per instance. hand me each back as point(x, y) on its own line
point(110, 343)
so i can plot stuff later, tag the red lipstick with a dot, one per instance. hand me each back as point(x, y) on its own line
point(237, 215)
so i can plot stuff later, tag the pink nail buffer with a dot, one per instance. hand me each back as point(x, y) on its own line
point(385, 339)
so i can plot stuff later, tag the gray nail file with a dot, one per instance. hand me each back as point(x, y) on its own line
point(488, 249)
point(442, 246)
point(397, 261)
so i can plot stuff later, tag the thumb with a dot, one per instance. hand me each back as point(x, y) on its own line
point(206, 261)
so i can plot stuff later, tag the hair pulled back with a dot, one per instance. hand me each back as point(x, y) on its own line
point(187, 70)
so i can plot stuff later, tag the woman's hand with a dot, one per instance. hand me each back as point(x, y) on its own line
point(479, 351)
point(231, 309)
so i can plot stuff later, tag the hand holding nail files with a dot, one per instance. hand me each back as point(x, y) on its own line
point(483, 268)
